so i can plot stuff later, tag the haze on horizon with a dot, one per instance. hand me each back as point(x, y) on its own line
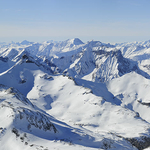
point(102, 20)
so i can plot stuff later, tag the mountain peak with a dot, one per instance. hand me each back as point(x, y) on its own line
point(75, 41)
point(25, 42)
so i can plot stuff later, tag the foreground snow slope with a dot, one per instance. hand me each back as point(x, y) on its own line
point(74, 95)
point(21, 118)
point(133, 91)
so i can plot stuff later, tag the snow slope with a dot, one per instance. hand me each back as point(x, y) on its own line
point(26, 118)
point(74, 95)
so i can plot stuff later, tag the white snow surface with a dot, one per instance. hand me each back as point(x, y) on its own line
point(74, 95)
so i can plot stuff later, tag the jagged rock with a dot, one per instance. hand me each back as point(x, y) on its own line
point(18, 95)
point(47, 77)
point(140, 143)
point(37, 120)
point(15, 131)
point(22, 81)
point(25, 56)
point(144, 103)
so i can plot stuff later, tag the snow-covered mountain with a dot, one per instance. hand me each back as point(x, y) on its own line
point(74, 95)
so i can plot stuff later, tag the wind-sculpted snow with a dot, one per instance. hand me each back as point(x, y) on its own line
point(74, 95)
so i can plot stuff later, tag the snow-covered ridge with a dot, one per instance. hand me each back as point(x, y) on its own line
point(74, 95)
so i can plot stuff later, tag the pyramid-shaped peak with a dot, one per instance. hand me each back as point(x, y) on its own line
point(75, 41)
point(25, 42)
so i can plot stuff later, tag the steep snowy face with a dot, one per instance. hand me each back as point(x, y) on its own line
point(5, 64)
point(10, 53)
point(80, 64)
point(111, 64)
point(99, 63)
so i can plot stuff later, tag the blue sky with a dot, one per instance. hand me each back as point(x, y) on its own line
point(102, 20)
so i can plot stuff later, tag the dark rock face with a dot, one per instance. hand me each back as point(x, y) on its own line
point(15, 131)
point(24, 56)
point(37, 120)
point(103, 61)
point(141, 143)
point(125, 65)
point(28, 59)
point(143, 103)
point(22, 81)
point(19, 96)
point(109, 61)
point(47, 77)
point(49, 63)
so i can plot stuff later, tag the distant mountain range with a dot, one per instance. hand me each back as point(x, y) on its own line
point(74, 95)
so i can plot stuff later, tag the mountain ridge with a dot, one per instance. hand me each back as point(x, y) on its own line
point(74, 95)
